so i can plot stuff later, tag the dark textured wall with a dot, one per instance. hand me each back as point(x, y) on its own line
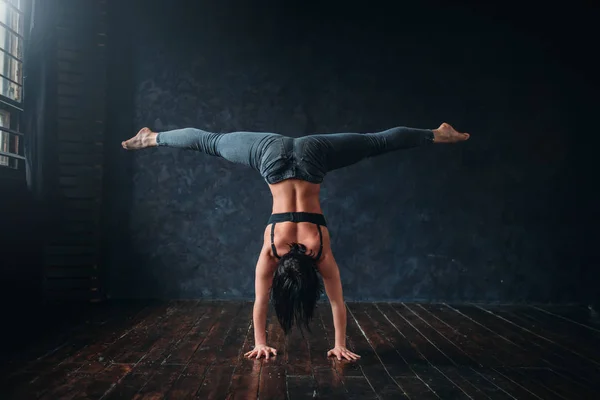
point(495, 219)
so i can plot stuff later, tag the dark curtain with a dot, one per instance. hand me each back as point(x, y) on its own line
point(39, 128)
point(39, 99)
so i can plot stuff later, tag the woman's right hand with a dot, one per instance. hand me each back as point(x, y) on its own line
point(261, 349)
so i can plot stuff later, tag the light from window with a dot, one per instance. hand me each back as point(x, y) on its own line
point(12, 30)
point(4, 137)
point(11, 38)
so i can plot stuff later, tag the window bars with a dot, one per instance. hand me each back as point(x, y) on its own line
point(12, 27)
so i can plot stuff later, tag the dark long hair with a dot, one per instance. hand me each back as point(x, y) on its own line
point(296, 288)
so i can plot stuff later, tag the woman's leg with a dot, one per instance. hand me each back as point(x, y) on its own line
point(247, 148)
point(338, 150)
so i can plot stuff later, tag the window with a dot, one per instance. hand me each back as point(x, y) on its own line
point(12, 28)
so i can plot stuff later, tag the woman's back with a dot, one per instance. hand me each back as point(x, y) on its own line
point(294, 195)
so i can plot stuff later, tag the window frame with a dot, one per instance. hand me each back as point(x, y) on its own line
point(13, 108)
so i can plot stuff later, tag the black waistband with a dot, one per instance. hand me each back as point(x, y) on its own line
point(314, 218)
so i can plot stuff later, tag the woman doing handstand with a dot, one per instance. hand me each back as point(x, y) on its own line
point(296, 247)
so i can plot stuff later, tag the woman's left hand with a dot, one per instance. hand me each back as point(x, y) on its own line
point(342, 352)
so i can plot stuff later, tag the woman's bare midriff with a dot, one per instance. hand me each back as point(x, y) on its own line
point(294, 195)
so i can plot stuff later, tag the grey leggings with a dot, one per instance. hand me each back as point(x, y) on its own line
point(309, 158)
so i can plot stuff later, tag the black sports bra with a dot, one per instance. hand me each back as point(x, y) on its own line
point(317, 219)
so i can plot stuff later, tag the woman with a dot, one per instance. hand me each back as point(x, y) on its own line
point(296, 247)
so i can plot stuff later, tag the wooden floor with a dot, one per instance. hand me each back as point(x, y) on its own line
point(192, 349)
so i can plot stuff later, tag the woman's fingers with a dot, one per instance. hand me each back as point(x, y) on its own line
point(268, 351)
point(343, 354)
point(338, 353)
point(260, 352)
point(335, 353)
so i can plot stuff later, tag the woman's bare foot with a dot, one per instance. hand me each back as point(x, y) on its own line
point(144, 138)
point(447, 134)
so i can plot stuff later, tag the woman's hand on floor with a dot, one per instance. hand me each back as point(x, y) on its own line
point(261, 349)
point(342, 352)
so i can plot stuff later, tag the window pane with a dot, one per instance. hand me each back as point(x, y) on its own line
point(11, 43)
point(9, 144)
point(11, 18)
point(17, 3)
point(4, 145)
point(10, 68)
point(10, 90)
point(4, 137)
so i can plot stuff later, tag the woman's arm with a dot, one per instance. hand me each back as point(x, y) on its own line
point(262, 284)
point(333, 287)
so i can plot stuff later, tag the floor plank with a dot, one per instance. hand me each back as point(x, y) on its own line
point(431, 357)
point(355, 385)
point(231, 347)
point(172, 332)
point(477, 353)
point(246, 377)
point(301, 387)
point(87, 385)
point(91, 356)
point(578, 315)
point(297, 354)
point(182, 352)
point(397, 353)
point(482, 380)
point(127, 346)
point(100, 323)
point(154, 336)
point(188, 383)
point(462, 334)
point(216, 382)
point(319, 343)
point(550, 357)
point(563, 386)
point(194, 350)
point(581, 341)
point(565, 358)
point(272, 384)
point(522, 378)
point(162, 379)
point(488, 348)
point(455, 355)
point(373, 368)
point(37, 384)
point(206, 353)
point(329, 384)
point(129, 385)
point(372, 324)
point(325, 327)
point(100, 384)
